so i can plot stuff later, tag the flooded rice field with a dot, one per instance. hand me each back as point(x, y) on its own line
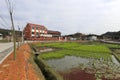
point(75, 61)
point(78, 68)
point(67, 63)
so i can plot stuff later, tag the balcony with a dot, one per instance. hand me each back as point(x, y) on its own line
point(37, 31)
point(32, 35)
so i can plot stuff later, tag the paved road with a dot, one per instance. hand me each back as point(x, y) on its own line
point(5, 50)
point(112, 42)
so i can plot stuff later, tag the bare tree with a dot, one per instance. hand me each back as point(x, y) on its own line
point(3, 22)
point(10, 9)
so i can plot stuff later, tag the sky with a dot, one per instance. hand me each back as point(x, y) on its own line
point(66, 16)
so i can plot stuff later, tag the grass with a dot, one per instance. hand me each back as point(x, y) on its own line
point(77, 46)
point(88, 50)
point(62, 53)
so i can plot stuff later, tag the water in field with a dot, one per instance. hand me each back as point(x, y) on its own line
point(67, 63)
point(115, 60)
point(71, 68)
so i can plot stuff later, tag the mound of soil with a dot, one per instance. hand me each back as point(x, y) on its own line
point(77, 74)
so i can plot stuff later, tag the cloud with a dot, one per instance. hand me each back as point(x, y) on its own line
point(68, 16)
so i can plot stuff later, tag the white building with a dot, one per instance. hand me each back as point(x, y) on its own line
point(91, 37)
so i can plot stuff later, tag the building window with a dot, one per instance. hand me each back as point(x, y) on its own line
point(36, 28)
point(33, 32)
point(42, 28)
point(32, 27)
point(37, 34)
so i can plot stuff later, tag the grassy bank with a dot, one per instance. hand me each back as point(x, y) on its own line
point(47, 71)
point(116, 53)
point(88, 50)
point(85, 50)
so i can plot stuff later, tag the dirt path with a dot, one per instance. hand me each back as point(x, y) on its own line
point(21, 68)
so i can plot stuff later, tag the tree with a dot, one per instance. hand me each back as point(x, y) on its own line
point(10, 9)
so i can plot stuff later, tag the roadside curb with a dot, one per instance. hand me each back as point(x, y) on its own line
point(6, 56)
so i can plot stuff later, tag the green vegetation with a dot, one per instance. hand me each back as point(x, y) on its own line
point(31, 60)
point(100, 52)
point(88, 50)
point(103, 44)
point(107, 70)
point(78, 47)
point(87, 54)
point(47, 71)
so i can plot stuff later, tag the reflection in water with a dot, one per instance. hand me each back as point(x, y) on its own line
point(70, 68)
point(67, 63)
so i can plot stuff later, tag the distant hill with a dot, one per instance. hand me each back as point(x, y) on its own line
point(111, 35)
point(7, 32)
point(75, 35)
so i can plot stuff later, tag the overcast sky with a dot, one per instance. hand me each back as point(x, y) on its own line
point(67, 16)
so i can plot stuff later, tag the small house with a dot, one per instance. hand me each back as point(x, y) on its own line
point(91, 37)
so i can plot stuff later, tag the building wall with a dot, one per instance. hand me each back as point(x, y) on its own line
point(27, 32)
point(37, 32)
point(92, 38)
point(54, 33)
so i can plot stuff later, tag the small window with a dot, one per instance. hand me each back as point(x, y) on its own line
point(32, 32)
point(41, 28)
point(33, 27)
point(37, 34)
point(33, 36)
point(36, 28)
